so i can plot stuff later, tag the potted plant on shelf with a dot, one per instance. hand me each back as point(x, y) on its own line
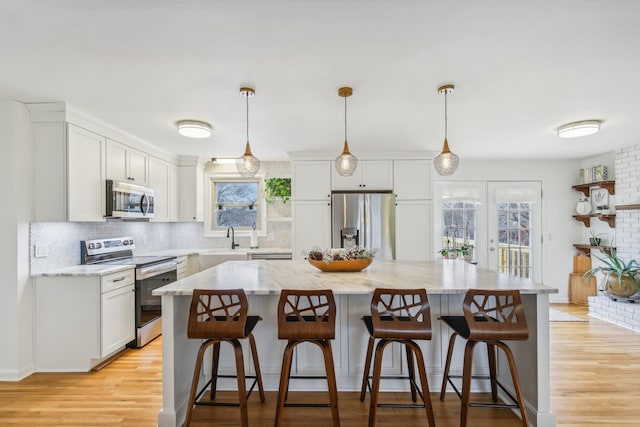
point(277, 187)
point(620, 277)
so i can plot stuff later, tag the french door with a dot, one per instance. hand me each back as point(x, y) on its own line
point(514, 228)
point(500, 219)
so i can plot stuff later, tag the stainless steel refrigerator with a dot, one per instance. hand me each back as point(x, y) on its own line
point(366, 220)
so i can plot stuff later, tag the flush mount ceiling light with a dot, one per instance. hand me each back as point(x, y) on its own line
point(194, 128)
point(446, 162)
point(346, 162)
point(581, 128)
point(248, 164)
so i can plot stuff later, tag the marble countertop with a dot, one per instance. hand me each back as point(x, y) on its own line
point(218, 251)
point(84, 270)
point(270, 277)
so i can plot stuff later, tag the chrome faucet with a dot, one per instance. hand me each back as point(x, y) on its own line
point(233, 238)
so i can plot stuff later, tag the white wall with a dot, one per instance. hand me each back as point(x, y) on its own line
point(559, 229)
point(16, 299)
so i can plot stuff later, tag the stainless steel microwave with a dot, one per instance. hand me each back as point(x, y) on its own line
point(125, 200)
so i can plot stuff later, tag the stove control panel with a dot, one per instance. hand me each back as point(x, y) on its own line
point(106, 246)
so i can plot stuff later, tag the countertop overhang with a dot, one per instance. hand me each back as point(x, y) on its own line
point(269, 277)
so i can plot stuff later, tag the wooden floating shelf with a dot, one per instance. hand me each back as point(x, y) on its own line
point(627, 207)
point(586, 249)
point(584, 188)
point(586, 219)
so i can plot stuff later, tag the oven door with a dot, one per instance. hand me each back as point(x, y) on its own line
point(148, 306)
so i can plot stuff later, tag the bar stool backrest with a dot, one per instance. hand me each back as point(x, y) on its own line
point(495, 315)
point(218, 313)
point(306, 314)
point(401, 314)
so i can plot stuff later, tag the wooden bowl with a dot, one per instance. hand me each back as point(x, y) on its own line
point(350, 265)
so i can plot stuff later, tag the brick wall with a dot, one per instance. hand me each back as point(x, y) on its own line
point(627, 169)
point(621, 313)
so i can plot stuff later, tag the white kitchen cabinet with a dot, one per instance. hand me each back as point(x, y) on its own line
point(191, 193)
point(311, 226)
point(69, 168)
point(159, 181)
point(174, 193)
point(412, 179)
point(126, 164)
point(117, 319)
point(413, 230)
point(82, 320)
point(311, 180)
point(369, 175)
point(182, 267)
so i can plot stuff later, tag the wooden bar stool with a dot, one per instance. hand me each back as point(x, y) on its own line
point(402, 316)
point(490, 317)
point(221, 316)
point(307, 316)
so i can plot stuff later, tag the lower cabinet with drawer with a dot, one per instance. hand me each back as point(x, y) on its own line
point(82, 320)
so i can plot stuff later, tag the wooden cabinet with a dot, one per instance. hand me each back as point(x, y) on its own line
point(191, 179)
point(412, 179)
point(311, 180)
point(369, 175)
point(69, 167)
point(311, 226)
point(101, 322)
point(413, 230)
point(126, 164)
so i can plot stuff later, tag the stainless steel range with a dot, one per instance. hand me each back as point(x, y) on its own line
point(151, 272)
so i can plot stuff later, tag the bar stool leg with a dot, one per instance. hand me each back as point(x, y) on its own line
point(447, 365)
point(375, 383)
point(194, 382)
point(491, 353)
point(331, 380)
point(284, 380)
point(367, 368)
point(466, 381)
point(423, 381)
point(256, 364)
point(242, 386)
point(516, 381)
point(412, 371)
point(215, 358)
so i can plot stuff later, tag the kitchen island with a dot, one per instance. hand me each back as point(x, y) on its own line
point(446, 282)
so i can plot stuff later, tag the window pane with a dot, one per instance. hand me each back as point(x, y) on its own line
point(237, 193)
point(236, 217)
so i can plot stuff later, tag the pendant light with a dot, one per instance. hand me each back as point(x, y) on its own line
point(446, 162)
point(346, 162)
point(248, 164)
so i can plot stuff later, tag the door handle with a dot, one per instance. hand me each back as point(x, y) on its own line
point(492, 249)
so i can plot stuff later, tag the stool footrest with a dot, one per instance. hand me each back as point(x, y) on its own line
point(398, 405)
point(206, 386)
point(308, 405)
point(486, 405)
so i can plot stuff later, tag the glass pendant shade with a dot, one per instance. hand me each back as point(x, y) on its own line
point(248, 164)
point(446, 162)
point(346, 162)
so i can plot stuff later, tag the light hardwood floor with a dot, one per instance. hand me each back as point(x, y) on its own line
point(595, 380)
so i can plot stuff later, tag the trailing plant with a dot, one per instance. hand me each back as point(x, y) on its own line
point(277, 187)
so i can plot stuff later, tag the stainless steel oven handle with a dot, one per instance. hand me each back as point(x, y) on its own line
point(156, 269)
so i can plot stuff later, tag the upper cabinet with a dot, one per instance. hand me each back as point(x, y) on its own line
point(369, 175)
point(159, 181)
point(69, 167)
point(412, 179)
point(191, 180)
point(311, 180)
point(126, 164)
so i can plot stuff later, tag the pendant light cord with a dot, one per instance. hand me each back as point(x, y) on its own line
point(345, 118)
point(445, 113)
point(247, 99)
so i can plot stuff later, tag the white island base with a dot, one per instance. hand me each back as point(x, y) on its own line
point(445, 281)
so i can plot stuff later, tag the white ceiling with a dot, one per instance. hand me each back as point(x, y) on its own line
point(520, 69)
